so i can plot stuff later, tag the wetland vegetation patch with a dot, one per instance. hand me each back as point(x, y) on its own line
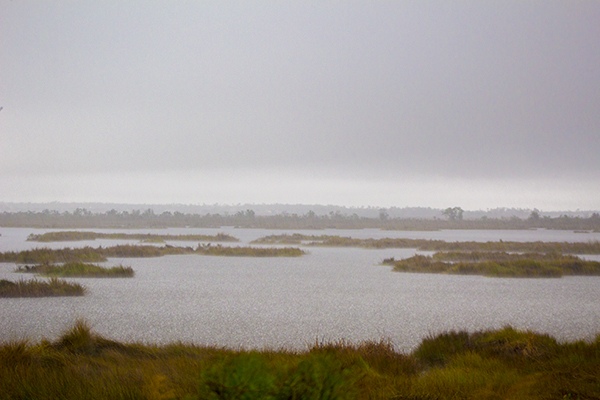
point(91, 255)
point(492, 364)
point(69, 236)
point(502, 265)
point(40, 288)
point(218, 250)
point(78, 269)
point(591, 247)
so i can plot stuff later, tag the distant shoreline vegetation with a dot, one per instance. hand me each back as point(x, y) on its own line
point(501, 265)
point(67, 236)
point(450, 218)
point(90, 254)
point(77, 270)
point(432, 245)
point(40, 288)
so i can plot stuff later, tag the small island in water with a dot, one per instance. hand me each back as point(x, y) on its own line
point(40, 288)
point(71, 236)
point(90, 254)
point(493, 264)
point(77, 270)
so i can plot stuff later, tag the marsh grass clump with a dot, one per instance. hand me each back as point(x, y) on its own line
point(507, 343)
point(530, 265)
point(592, 247)
point(77, 269)
point(81, 340)
point(40, 288)
point(439, 349)
point(506, 363)
point(69, 236)
point(295, 238)
point(494, 364)
point(142, 251)
point(51, 256)
point(218, 250)
point(152, 240)
point(475, 256)
point(91, 255)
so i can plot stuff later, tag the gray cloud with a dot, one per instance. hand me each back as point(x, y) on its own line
point(366, 90)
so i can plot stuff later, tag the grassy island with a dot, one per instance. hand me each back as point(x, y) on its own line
point(90, 254)
point(495, 364)
point(39, 288)
point(71, 236)
point(218, 250)
point(432, 245)
point(78, 269)
point(497, 265)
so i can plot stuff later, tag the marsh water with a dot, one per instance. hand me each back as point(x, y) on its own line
point(330, 294)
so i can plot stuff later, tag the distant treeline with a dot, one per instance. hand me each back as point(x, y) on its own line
point(451, 218)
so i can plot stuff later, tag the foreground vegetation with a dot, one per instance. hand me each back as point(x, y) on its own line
point(90, 254)
point(39, 288)
point(497, 265)
point(70, 236)
point(78, 269)
point(432, 245)
point(498, 364)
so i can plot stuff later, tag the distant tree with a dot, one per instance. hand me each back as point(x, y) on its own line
point(383, 214)
point(453, 213)
point(82, 212)
point(534, 216)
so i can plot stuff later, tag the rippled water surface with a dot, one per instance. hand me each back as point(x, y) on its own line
point(329, 294)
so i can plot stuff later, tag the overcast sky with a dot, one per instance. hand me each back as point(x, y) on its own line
point(478, 104)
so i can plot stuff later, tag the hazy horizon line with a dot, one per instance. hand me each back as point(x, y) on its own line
point(147, 205)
